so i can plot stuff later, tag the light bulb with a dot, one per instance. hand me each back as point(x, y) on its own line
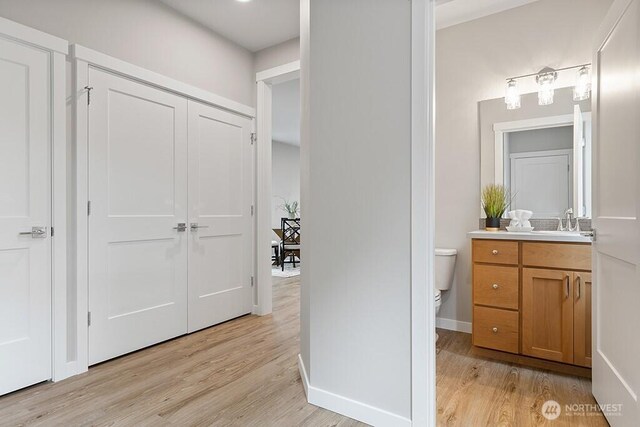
point(512, 96)
point(546, 87)
point(582, 89)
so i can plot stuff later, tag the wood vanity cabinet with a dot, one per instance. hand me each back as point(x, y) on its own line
point(533, 298)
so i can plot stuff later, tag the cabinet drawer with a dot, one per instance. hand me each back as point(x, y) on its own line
point(495, 328)
point(495, 286)
point(556, 255)
point(495, 251)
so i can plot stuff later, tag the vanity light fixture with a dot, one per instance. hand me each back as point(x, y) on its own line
point(582, 89)
point(546, 80)
point(512, 96)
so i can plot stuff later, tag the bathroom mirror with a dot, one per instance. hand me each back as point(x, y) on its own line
point(542, 154)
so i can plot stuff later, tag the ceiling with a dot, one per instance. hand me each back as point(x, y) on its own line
point(258, 24)
point(286, 112)
point(254, 25)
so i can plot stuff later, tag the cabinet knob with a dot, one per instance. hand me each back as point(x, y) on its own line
point(495, 330)
point(495, 252)
point(495, 286)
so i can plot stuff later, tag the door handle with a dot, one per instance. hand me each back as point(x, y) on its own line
point(35, 233)
point(567, 282)
point(579, 279)
point(195, 226)
point(182, 226)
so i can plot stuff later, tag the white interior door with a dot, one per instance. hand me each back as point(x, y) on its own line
point(616, 208)
point(541, 182)
point(25, 202)
point(220, 198)
point(138, 195)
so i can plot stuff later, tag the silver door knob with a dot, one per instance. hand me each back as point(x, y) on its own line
point(182, 226)
point(495, 286)
point(35, 233)
point(495, 252)
point(195, 226)
point(495, 330)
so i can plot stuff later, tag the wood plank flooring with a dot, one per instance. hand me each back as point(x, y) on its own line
point(241, 373)
point(472, 391)
point(244, 373)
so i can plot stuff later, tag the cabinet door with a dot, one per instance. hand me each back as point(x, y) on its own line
point(582, 319)
point(547, 314)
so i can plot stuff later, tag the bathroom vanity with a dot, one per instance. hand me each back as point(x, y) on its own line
point(532, 294)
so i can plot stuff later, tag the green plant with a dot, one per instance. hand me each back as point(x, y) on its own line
point(495, 200)
point(292, 208)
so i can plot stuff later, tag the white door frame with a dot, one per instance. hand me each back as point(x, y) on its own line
point(63, 364)
point(82, 59)
point(265, 81)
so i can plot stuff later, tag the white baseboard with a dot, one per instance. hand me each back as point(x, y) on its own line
point(453, 325)
point(350, 408)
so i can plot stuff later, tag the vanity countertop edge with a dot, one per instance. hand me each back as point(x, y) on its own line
point(529, 236)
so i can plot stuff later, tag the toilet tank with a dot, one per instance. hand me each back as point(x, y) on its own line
point(445, 267)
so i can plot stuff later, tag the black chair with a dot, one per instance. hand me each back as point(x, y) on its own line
point(290, 246)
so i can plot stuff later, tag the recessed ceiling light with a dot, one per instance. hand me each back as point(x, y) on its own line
point(243, 1)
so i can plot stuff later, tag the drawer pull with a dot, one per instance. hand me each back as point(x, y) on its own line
point(495, 286)
point(567, 279)
point(579, 279)
point(495, 252)
point(495, 330)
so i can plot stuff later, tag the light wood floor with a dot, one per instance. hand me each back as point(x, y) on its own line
point(241, 373)
point(472, 391)
point(244, 373)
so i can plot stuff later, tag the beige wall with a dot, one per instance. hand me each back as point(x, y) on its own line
point(472, 61)
point(148, 34)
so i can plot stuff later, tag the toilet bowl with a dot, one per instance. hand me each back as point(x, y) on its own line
point(445, 267)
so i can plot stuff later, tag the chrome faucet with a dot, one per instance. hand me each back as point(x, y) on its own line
point(569, 216)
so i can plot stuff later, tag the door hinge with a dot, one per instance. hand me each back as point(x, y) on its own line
point(52, 232)
point(89, 318)
point(252, 210)
point(88, 207)
point(88, 89)
point(254, 138)
point(252, 281)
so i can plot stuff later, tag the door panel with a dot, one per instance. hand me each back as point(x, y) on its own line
point(547, 314)
point(616, 206)
point(25, 195)
point(138, 194)
point(582, 319)
point(220, 197)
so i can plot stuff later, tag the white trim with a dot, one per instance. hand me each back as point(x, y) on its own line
point(303, 376)
point(349, 407)
point(264, 81)
point(81, 116)
point(131, 71)
point(423, 352)
point(453, 325)
point(276, 75)
point(33, 37)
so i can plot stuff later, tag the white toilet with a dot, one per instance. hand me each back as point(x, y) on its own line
point(445, 266)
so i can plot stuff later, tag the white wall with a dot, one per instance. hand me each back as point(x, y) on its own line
point(279, 54)
point(285, 178)
point(356, 157)
point(472, 61)
point(146, 33)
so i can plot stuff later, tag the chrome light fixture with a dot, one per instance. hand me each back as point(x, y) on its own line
point(582, 89)
point(546, 79)
point(512, 96)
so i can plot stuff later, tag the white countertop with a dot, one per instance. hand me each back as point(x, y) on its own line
point(542, 236)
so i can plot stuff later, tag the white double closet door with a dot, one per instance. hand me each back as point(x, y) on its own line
point(158, 161)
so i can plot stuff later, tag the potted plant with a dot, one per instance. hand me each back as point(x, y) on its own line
point(291, 208)
point(495, 200)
